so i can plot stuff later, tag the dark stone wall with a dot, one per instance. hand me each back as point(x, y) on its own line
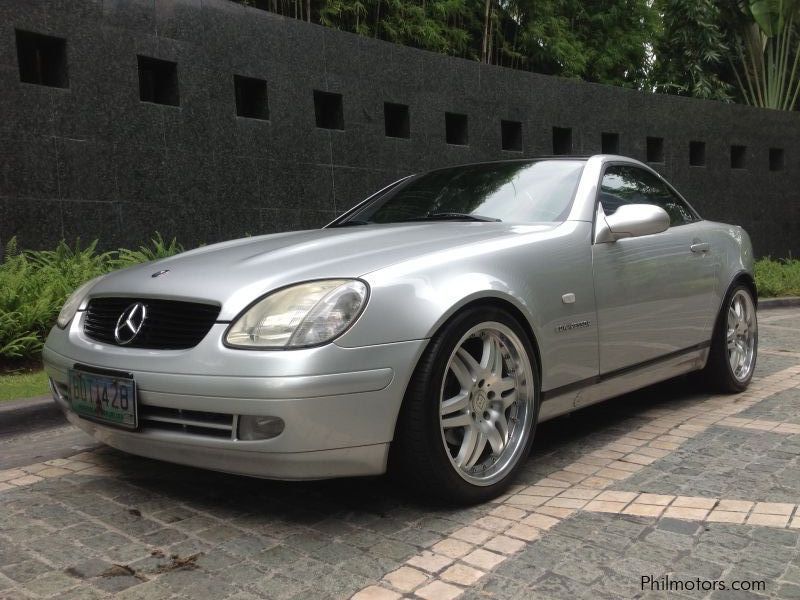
point(92, 160)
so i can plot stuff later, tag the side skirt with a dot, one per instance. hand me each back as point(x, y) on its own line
point(580, 394)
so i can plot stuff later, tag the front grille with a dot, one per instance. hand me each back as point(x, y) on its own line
point(169, 325)
point(197, 422)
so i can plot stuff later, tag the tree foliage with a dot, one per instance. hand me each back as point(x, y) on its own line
point(742, 50)
point(605, 41)
point(769, 54)
point(691, 50)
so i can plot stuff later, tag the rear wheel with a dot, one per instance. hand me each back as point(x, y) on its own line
point(734, 349)
point(469, 414)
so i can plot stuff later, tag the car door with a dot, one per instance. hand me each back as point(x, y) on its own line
point(654, 293)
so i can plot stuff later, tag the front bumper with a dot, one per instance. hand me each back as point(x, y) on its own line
point(339, 418)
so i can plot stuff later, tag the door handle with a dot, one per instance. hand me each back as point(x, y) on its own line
point(700, 247)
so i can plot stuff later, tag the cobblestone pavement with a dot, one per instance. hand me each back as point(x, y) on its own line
point(686, 489)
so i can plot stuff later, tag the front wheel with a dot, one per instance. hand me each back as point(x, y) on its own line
point(469, 414)
point(734, 349)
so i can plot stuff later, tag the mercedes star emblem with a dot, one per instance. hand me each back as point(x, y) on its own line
point(130, 323)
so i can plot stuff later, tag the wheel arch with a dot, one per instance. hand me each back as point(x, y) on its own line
point(484, 301)
point(739, 278)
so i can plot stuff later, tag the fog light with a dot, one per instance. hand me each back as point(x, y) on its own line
point(253, 427)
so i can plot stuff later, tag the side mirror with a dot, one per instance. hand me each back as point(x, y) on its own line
point(634, 220)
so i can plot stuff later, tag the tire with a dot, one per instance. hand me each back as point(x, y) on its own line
point(495, 405)
point(729, 370)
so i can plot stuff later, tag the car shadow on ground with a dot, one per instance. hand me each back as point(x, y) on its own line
point(306, 502)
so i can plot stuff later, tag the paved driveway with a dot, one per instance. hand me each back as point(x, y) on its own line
point(664, 489)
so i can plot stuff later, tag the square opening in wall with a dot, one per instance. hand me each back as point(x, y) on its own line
point(42, 59)
point(562, 140)
point(396, 120)
point(328, 109)
point(511, 135)
point(456, 129)
point(609, 143)
point(776, 159)
point(697, 154)
point(655, 150)
point(158, 81)
point(738, 157)
point(251, 97)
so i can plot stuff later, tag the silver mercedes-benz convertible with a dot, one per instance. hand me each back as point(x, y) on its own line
point(425, 331)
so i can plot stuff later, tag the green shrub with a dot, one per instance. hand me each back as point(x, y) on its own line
point(778, 277)
point(35, 284)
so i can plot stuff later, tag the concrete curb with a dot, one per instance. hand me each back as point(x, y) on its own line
point(786, 301)
point(29, 416)
point(30, 403)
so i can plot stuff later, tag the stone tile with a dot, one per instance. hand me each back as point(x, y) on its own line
point(523, 532)
point(768, 520)
point(525, 501)
point(640, 459)
point(430, 561)
point(615, 474)
point(473, 535)
point(560, 502)
point(504, 544)
point(53, 472)
point(691, 514)
point(554, 511)
point(439, 590)
point(26, 480)
point(598, 483)
point(643, 510)
point(612, 496)
point(734, 505)
point(540, 521)
point(579, 493)
point(694, 502)
point(452, 548)
point(374, 592)
point(542, 490)
point(724, 516)
point(773, 508)
point(656, 499)
point(508, 512)
point(483, 559)
point(405, 579)
point(605, 506)
point(462, 574)
point(490, 523)
point(622, 465)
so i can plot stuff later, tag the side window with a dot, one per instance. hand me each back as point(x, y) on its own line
point(631, 185)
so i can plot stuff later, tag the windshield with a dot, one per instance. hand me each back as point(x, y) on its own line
point(517, 192)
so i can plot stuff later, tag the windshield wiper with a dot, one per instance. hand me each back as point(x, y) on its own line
point(452, 216)
point(352, 223)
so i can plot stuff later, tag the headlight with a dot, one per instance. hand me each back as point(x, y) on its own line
point(307, 314)
point(73, 303)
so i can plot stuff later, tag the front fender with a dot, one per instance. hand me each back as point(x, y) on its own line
point(411, 300)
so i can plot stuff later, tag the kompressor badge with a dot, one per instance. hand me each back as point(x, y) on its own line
point(570, 326)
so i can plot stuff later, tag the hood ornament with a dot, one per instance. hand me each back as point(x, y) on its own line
point(160, 273)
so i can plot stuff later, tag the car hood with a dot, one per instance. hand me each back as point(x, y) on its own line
point(237, 272)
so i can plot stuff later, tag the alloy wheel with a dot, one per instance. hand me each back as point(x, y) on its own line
point(741, 333)
point(487, 403)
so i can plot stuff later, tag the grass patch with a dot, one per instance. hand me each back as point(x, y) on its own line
point(778, 277)
point(18, 386)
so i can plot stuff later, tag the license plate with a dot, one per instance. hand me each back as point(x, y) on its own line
point(107, 398)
